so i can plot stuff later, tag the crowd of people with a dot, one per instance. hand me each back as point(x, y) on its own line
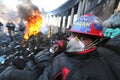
point(10, 25)
point(75, 58)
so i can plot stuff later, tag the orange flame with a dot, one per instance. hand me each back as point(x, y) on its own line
point(33, 25)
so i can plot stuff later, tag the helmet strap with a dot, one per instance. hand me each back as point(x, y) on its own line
point(95, 42)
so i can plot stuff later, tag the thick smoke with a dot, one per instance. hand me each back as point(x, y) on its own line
point(24, 12)
point(26, 9)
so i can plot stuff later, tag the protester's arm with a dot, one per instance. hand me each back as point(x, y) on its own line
point(52, 72)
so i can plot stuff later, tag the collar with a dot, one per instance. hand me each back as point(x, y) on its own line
point(87, 51)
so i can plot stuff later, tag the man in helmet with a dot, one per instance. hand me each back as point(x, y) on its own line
point(11, 27)
point(1, 26)
point(81, 61)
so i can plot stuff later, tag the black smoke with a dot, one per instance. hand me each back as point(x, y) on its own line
point(26, 9)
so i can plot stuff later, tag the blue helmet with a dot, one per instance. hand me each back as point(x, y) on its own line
point(88, 24)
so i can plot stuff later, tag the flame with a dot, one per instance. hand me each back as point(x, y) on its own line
point(34, 22)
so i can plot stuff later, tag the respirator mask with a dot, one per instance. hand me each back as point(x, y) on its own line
point(75, 45)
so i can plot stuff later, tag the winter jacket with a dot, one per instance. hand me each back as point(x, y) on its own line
point(87, 65)
point(10, 26)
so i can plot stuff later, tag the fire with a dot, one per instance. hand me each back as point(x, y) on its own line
point(33, 24)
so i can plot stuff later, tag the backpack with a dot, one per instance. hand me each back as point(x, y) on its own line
point(111, 53)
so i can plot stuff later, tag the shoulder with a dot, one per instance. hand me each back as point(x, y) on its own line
point(60, 56)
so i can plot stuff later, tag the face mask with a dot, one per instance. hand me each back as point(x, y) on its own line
point(75, 45)
point(82, 46)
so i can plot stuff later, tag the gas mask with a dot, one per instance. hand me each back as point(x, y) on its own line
point(51, 50)
point(54, 49)
point(75, 45)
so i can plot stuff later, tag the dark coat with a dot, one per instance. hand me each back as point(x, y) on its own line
point(10, 26)
point(71, 66)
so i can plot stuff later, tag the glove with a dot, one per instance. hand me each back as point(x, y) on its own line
point(19, 63)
